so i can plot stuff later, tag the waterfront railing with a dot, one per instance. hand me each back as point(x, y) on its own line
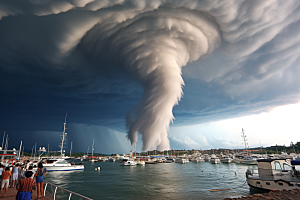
point(55, 192)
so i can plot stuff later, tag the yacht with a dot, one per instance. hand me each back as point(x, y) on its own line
point(226, 159)
point(140, 162)
point(169, 160)
point(243, 159)
point(129, 162)
point(61, 163)
point(197, 159)
point(274, 174)
point(181, 160)
point(214, 159)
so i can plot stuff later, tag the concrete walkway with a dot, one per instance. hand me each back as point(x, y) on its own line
point(12, 192)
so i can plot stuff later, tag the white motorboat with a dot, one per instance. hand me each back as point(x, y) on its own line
point(129, 162)
point(61, 164)
point(245, 160)
point(274, 174)
point(197, 160)
point(226, 159)
point(214, 159)
point(140, 162)
point(181, 160)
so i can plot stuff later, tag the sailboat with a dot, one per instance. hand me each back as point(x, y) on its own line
point(61, 163)
point(93, 159)
point(245, 159)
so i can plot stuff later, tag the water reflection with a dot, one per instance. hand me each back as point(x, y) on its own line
point(163, 181)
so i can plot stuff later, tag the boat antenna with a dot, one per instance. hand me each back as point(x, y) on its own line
point(63, 137)
point(245, 140)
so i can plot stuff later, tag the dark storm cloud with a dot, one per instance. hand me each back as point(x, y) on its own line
point(97, 60)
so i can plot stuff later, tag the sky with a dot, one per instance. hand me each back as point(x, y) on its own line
point(160, 74)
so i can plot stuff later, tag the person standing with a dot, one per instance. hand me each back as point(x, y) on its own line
point(1, 171)
point(39, 175)
point(15, 173)
point(5, 180)
point(25, 187)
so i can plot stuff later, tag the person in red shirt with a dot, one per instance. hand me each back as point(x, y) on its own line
point(5, 180)
point(25, 187)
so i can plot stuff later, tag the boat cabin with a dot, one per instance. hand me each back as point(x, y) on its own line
point(273, 167)
point(274, 164)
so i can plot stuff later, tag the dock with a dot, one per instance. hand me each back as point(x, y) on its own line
point(12, 192)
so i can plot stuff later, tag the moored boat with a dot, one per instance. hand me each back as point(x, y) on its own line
point(181, 160)
point(214, 159)
point(226, 159)
point(128, 162)
point(273, 174)
point(61, 163)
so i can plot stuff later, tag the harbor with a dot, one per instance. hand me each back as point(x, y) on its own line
point(162, 179)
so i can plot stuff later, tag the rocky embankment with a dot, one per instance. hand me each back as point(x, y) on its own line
point(273, 195)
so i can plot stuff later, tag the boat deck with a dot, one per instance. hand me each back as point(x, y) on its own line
point(12, 192)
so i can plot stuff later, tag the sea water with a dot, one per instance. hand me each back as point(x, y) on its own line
point(154, 181)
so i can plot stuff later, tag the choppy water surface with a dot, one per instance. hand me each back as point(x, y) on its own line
point(158, 181)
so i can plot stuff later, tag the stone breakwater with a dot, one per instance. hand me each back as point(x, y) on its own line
point(273, 195)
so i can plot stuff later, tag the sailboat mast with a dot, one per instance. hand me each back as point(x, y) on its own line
point(63, 137)
point(71, 149)
point(245, 140)
point(93, 148)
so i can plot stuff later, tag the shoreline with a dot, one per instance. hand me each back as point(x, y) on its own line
point(274, 195)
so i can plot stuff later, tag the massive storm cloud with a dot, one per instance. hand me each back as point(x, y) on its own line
point(152, 41)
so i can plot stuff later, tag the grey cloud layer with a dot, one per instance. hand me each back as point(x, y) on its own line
point(241, 57)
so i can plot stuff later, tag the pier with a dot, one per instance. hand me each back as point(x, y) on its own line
point(51, 191)
point(12, 192)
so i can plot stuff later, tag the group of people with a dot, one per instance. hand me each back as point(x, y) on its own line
point(25, 180)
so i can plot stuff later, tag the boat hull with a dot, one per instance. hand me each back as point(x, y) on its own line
point(214, 161)
point(64, 168)
point(278, 184)
point(226, 160)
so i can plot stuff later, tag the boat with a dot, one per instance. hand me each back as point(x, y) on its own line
point(140, 162)
point(214, 159)
point(197, 159)
point(181, 160)
point(206, 158)
point(128, 162)
point(92, 158)
point(61, 163)
point(226, 159)
point(274, 174)
point(245, 159)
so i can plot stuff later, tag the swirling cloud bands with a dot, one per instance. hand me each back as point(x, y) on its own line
point(240, 56)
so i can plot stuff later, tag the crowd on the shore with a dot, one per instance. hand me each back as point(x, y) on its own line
point(25, 177)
